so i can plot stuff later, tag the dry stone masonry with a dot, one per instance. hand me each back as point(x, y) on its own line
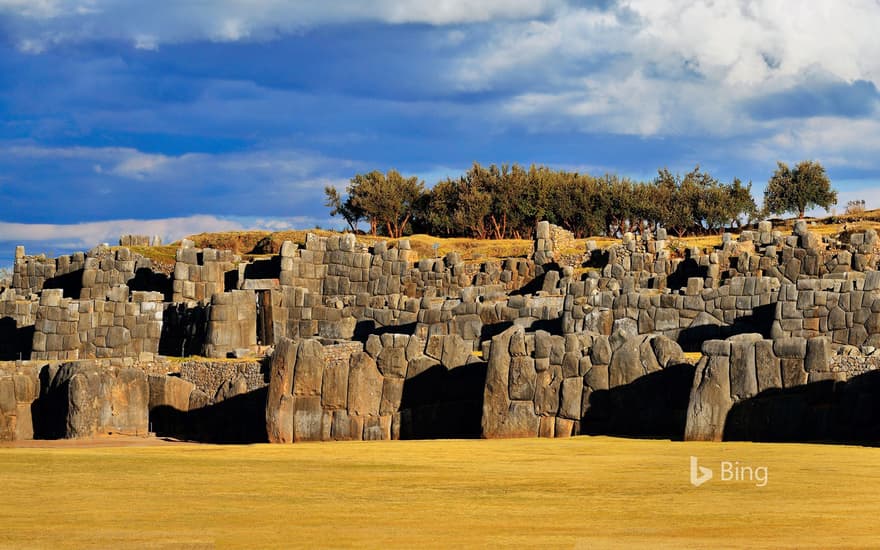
point(330, 339)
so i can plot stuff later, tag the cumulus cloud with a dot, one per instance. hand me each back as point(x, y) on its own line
point(681, 67)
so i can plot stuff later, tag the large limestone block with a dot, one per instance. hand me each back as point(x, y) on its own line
point(743, 371)
point(767, 366)
point(710, 400)
point(309, 369)
point(523, 378)
point(626, 362)
point(101, 400)
point(279, 401)
point(307, 418)
point(547, 393)
point(496, 402)
point(364, 386)
point(572, 391)
point(170, 391)
point(334, 389)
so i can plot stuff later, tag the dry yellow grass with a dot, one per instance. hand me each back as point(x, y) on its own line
point(582, 492)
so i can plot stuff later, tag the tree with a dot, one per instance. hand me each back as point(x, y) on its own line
point(805, 186)
point(349, 212)
point(385, 200)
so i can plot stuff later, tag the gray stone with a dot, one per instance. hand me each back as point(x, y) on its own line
point(523, 376)
point(364, 385)
point(743, 374)
point(710, 400)
point(572, 392)
point(818, 354)
point(547, 391)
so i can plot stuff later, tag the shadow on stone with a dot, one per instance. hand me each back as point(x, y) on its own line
point(239, 419)
point(15, 341)
point(653, 406)
point(827, 411)
point(441, 403)
point(71, 283)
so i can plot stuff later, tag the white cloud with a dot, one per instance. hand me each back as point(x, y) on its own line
point(148, 24)
point(676, 67)
point(89, 234)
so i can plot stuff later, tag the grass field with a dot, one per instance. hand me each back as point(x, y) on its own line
point(582, 492)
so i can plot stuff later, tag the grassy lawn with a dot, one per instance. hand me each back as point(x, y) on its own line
point(582, 492)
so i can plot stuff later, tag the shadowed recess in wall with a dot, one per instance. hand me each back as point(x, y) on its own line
point(826, 411)
point(653, 406)
point(443, 403)
point(15, 341)
point(71, 283)
point(239, 419)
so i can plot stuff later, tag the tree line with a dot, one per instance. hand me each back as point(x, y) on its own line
point(501, 202)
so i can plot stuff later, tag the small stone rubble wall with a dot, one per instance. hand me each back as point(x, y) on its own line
point(543, 385)
point(223, 379)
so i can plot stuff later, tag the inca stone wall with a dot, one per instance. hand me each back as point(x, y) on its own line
point(19, 388)
point(543, 385)
point(68, 329)
point(232, 323)
point(393, 386)
point(376, 343)
point(201, 273)
point(739, 371)
point(30, 273)
point(140, 240)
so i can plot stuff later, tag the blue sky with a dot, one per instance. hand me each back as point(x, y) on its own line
point(172, 117)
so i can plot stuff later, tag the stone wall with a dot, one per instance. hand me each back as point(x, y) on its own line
point(72, 400)
point(17, 318)
point(201, 273)
point(393, 386)
point(140, 240)
point(30, 273)
point(69, 329)
point(19, 388)
point(735, 370)
point(543, 385)
point(232, 323)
